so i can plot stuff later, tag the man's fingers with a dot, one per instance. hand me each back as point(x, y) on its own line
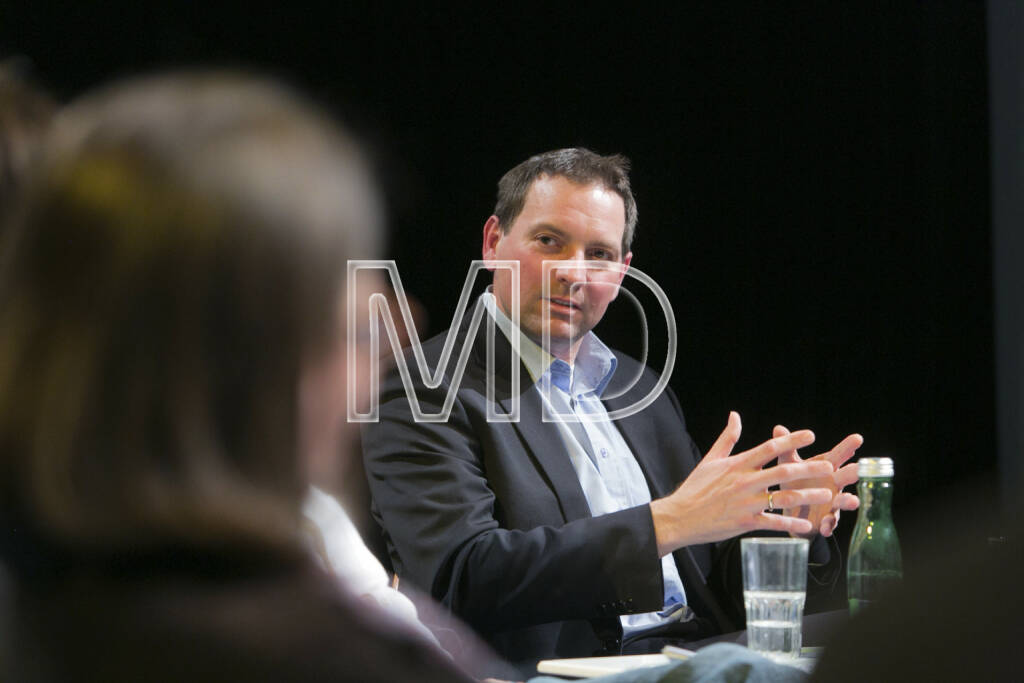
point(844, 450)
point(828, 525)
point(792, 525)
point(846, 501)
point(845, 475)
point(787, 456)
point(788, 499)
point(727, 439)
point(773, 448)
point(781, 474)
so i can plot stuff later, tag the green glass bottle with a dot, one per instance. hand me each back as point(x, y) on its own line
point(875, 565)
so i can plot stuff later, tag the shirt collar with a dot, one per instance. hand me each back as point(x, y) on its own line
point(595, 363)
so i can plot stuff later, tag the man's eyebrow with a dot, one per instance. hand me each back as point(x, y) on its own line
point(607, 246)
point(548, 227)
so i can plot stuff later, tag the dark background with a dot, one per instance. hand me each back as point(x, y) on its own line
point(812, 178)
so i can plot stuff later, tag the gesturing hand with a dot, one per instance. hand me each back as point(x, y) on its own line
point(725, 495)
point(824, 517)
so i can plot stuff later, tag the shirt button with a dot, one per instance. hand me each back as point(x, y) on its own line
point(604, 452)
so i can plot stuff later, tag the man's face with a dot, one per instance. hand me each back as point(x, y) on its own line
point(560, 221)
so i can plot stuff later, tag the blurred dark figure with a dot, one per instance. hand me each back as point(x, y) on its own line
point(25, 115)
point(172, 365)
point(957, 615)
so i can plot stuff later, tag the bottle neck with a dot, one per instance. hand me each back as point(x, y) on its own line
point(875, 497)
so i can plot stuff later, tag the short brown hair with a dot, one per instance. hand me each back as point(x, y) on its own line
point(577, 164)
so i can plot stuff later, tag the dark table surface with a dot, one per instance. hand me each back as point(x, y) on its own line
point(817, 629)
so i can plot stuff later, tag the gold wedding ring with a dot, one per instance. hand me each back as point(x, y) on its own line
point(771, 503)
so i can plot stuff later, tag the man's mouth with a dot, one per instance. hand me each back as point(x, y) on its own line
point(564, 303)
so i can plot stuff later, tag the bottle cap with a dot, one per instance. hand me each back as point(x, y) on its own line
point(875, 467)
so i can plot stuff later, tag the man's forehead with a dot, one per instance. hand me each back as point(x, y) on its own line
point(560, 193)
point(552, 184)
point(552, 198)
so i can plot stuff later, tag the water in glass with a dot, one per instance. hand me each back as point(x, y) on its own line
point(773, 622)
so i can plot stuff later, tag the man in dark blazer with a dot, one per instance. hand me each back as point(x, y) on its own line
point(523, 528)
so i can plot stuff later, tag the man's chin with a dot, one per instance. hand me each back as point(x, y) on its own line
point(563, 334)
point(561, 340)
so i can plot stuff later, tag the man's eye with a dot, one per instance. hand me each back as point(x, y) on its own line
point(601, 255)
point(546, 240)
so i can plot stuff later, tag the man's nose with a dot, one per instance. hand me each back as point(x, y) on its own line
point(571, 271)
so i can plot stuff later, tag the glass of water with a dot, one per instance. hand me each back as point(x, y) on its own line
point(774, 589)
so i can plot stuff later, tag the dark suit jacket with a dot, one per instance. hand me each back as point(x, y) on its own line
point(491, 519)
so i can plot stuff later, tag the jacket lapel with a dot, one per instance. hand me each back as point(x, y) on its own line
point(545, 445)
point(541, 440)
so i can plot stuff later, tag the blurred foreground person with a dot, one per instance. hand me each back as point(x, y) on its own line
point(172, 360)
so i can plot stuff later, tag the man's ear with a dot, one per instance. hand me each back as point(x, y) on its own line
point(626, 262)
point(622, 275)
point(492, 235)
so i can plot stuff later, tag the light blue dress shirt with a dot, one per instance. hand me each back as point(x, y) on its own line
point(608, 472)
